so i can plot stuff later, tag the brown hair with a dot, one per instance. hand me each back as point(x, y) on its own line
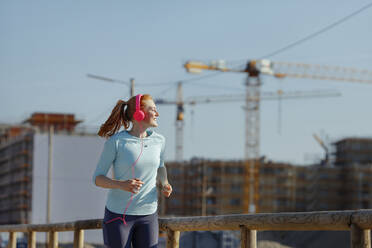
point(121, 116)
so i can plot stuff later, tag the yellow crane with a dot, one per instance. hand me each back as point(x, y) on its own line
point(253, 69)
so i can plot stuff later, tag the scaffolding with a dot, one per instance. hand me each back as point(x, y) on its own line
point(206, 187)
point(16, 176)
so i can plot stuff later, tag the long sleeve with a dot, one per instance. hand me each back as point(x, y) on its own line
point(162, 176)
point(107, 158)
point(162, 154)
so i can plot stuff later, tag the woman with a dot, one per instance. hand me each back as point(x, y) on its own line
point(137, 157)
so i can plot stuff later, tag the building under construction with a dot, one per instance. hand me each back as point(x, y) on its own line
point(15, 174)
point(353, 151)
point(205, 187)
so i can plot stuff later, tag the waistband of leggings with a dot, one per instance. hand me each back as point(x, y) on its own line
point(116, 214)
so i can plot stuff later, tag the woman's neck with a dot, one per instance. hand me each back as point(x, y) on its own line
point(138, 131)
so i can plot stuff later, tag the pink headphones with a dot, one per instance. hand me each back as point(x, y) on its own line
point(139, 115)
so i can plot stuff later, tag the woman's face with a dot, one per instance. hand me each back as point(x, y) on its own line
point(151, 113)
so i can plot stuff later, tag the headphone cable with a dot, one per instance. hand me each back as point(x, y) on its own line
point(133, 176)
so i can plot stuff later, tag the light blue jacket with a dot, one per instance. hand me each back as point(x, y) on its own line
point(120, 151)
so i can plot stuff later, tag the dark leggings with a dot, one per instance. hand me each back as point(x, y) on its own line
point(141, 231)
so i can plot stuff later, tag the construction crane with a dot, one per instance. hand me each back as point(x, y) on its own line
point(253, 69)
point(179, 102)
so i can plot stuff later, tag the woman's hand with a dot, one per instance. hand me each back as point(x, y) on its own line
point(131, 185)
point(166, 190)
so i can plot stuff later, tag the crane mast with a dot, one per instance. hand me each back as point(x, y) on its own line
point(252, 133)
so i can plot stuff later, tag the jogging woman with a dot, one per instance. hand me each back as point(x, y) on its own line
point(137, 160)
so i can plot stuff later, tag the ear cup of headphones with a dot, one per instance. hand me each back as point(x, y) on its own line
point(139, 115)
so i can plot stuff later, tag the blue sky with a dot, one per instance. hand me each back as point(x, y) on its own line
point(48, 47)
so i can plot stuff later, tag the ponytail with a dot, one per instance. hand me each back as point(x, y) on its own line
point(117, 118)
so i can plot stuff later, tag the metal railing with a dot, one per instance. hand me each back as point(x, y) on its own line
point(358, 222)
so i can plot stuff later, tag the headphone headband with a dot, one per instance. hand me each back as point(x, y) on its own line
point(138, 102)
point(139, 115)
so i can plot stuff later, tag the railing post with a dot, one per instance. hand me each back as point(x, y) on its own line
point(53, 239)
point(248, 238)
point(31, 240)
point(173, 238)
point(12, 243)
point(79, 238)
point(360, 238)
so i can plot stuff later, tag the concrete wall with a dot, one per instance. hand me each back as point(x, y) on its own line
point(74, 197)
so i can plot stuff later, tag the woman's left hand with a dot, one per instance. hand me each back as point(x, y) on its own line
point(166, 190)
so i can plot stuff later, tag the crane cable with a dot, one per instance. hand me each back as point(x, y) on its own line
point(313, 35)
point(293, 44)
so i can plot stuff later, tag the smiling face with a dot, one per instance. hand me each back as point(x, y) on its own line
point(151, 113)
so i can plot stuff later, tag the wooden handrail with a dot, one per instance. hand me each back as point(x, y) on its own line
point(358, 222)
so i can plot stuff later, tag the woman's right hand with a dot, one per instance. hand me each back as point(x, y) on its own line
point(131, 185)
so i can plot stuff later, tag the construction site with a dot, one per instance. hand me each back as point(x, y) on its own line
point(256, 185)
point(207, 187)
